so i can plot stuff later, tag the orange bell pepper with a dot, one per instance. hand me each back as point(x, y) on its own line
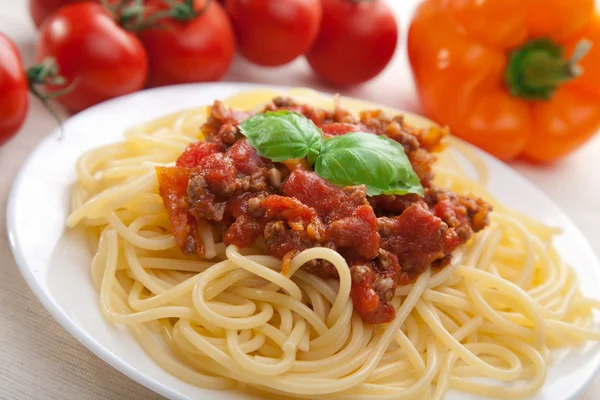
point(510, 76)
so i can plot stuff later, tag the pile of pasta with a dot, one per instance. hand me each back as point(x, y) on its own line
point(234, 320)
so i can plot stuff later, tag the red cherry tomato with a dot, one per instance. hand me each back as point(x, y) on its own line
point(274, 32)
point(200, 49)
point(101, 59)
point(41, 9)
point(356, 41)
point(14, 100)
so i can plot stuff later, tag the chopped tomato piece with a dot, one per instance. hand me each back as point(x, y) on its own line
point(368, 304)
point(245, 158)
point(417, 237)
point(195, 152)
point(244, 231)
point(288, 209)
point(352, 221)
point(339, 129)
point(172, 186)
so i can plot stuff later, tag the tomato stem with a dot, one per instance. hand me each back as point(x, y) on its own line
point(537, 69)
point(132, 17)
point(47, 73)
point(115, 9)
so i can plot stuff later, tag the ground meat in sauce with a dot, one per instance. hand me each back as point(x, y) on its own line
point(387, 240)
point(220, 179)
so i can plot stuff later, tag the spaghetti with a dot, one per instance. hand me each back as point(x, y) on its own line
point(233, 319)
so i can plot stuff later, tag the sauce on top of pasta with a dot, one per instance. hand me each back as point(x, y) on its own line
point(286, 207)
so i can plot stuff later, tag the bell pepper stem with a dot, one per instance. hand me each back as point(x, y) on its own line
point(581, 49)
point(538, 68)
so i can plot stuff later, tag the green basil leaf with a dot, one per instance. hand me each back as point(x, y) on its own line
point(377, 162)
point(283, 135)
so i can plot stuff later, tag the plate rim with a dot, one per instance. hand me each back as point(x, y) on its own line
point(108, 356)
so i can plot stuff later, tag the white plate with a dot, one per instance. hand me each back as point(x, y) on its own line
point(56, 262)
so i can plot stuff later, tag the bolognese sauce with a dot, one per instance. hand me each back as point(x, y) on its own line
point(387, 240)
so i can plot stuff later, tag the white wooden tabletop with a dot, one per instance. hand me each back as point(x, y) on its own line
point(39, 360)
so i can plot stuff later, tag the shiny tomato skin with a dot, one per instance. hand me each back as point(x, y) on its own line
point(274, 32)
point(198, 50)
point(42, 9)
point(14, 101)
point(355, 43)
point(102, 59)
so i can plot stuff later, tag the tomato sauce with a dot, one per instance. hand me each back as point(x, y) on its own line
point(387, 240)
